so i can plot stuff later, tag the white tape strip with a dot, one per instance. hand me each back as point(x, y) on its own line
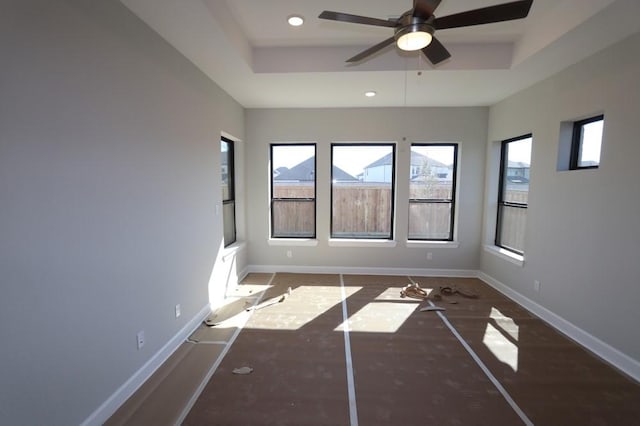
point(351, 388)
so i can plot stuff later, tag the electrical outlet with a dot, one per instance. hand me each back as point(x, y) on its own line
point(429, 256)
point(178, 311)
point(289, 254)
point(536, 285)
point(140, 338)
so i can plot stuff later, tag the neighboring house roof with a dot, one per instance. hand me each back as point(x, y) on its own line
point(383, 161)
point(300, 172)
point(305, 172)
point(417, 159)
point(518, 165)
point(339, 174)
point(279, 170)
point(517, 179)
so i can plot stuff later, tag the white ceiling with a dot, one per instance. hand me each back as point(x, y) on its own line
point(248, 49)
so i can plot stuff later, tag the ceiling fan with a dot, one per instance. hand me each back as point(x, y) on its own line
point(414, 29)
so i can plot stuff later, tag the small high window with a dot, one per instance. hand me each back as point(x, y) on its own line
point(586, 143)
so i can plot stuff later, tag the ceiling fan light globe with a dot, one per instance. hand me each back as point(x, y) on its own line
point(416, 40)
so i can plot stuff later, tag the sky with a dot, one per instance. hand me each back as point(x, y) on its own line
point(351, 159)
point(591, 141)
point(520, 151)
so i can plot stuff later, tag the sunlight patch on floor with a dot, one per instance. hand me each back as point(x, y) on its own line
point(380, 317)
point(304, 305)
point(499, 339)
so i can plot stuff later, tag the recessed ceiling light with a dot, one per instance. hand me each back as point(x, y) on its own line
point(295, 20)
point(370, 94)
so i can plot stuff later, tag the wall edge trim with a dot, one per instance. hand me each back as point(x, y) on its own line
point(128, 388)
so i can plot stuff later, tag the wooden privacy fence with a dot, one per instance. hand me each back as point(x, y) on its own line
point(359, 209)
point(364, 209)
point(513, 220)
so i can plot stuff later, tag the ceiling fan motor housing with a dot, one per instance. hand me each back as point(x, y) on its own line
point(408, 23)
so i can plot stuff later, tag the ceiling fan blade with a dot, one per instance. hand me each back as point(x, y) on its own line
point(485, 15)
point(370, 51)
point(355, 19)
point(436, 52)
point(424, 8)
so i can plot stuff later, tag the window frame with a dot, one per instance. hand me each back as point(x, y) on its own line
point(293, 199)
point(577, 140)
point(232, 188)
point(392, 145)
point(451, 201)
point(504, 164)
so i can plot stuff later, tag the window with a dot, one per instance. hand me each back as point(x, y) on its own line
point(513, 193)
point(293, 191)
point(586, 143)
point(228, 192)
point(362, 182)
point(432, 187)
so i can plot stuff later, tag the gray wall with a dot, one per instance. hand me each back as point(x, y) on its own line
point(109, 176)
point(467, 126)
point(582, 233)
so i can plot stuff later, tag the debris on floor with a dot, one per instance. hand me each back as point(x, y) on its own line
point(414, 291)
point(451, 290)
point(242, 370)
point(272, 301)
point(432, 309)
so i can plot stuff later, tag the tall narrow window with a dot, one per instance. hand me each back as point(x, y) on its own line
point(293, 191)
point(432, 187)
point(513, 195)
point(587, 143)
point(228, 192)
point(362, 183)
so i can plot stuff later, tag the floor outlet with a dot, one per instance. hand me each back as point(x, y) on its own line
point(140, 337)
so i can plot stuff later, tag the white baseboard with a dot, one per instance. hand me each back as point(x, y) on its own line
point(608, 353)
point(119, 397)
point(460, 273)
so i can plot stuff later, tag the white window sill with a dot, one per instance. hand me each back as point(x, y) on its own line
point(231, 251)
point(293, 242)
point(507, 255)
point(345, 242)
point(432, 244)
